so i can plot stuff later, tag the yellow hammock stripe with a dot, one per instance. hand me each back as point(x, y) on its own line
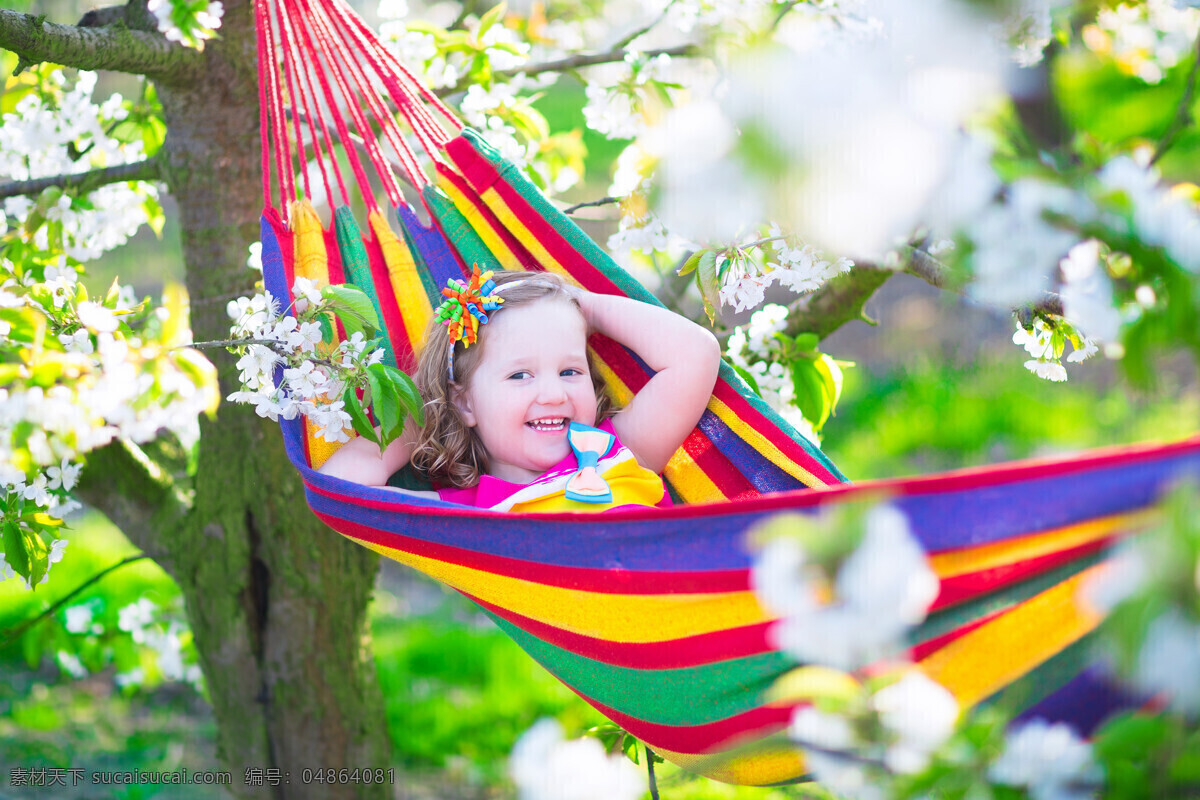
point(1014, 551)
point(503, 253)
point(311, 261)
point(775, 763)
point(415, 310)
point(762, 445)
point(513, 225)
point(992, 656)
point(613, 617)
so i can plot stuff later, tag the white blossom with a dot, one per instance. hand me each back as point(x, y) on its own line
point(1087, 292)
point(1049, 370)
point(78, 618)
point(884, 587)
point(920, 714)
point(545, 767)
point(1038, 342)
point(70, 664)
point(1049, 759)
point(1145, 39)
point(1169, 661)
point(135, 618)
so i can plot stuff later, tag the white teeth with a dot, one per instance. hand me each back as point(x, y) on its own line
point(549, 424)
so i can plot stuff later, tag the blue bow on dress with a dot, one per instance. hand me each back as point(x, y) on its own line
point(588, 444)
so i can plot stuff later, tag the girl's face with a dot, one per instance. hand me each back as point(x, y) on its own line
point(531, 383)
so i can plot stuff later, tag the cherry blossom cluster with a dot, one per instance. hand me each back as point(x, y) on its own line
point(747, 269)
point(875, 721)
point(286, 370)
point(45, 135)
point(544, 765)
point(1145, 39)
point(755, 349)
point(187, 22)
point(106, 371)
point(149, 643)
point(614, 106)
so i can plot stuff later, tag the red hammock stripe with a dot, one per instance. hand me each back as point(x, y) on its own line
point(605, 581)
point(674, 654)
point(960, 588)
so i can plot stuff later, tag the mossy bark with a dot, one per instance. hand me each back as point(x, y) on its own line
point(277, 601)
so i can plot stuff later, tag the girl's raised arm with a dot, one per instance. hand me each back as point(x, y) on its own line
point(360, 461)
point(686, 358)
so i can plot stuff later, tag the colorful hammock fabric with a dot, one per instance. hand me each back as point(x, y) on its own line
point(648, 613)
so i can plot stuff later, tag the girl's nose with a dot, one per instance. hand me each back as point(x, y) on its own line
point(551, 390)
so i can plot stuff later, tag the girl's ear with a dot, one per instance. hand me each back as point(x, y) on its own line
point(462, 401)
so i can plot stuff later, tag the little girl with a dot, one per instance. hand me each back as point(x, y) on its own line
point(511, 422)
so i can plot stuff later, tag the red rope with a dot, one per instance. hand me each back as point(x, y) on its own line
point(339, 122)
point(387, 121)
point(283, 156)
point(407, 94)
point(367, 92)
point(306, 92)
point(366, 44)
point(260, 34)
point(289, 79)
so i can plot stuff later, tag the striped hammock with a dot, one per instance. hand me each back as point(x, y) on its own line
point(647, 613)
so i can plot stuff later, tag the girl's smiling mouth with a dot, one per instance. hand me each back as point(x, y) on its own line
point(549, 424)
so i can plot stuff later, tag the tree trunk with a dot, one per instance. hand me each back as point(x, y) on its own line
point(277, 601)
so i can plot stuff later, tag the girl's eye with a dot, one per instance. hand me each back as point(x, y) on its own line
point(517, 376)
point(571, 371)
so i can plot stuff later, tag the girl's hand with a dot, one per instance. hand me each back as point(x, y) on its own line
point(583, 299)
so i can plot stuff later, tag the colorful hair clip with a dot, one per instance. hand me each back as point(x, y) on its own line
point(465, 308)
point(467, 304)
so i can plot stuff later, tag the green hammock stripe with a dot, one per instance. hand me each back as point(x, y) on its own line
point(579, 241)
point(357, 265)
point(574, 236)
point(662, 696)
point(1047, 678)
point(458, 231)
point(942, 622)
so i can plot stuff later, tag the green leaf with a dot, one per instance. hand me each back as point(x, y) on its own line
point(494, 15)
point(831, 374)
point(807, 342)
point(706, 280)
point(155, 217)
point(352, 304)
point(748, 377)
point(39, 562)
point(154, 133)
point(14, 549)
point(410, 398)
point(385, 402)
point(809, 392)
point(358, 417)
point(174, 324)
point(690, 265)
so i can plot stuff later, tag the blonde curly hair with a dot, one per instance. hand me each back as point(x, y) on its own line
point(447, 451)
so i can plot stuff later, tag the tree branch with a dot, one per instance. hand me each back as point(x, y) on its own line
point(589, 59)
point(19, 631)
point(1183, 112)
point(136, 495)
point(604, 201)
point(103, 17)
point(837, 302)
point(110, 48)
point(147, 170)
point(576, 61)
